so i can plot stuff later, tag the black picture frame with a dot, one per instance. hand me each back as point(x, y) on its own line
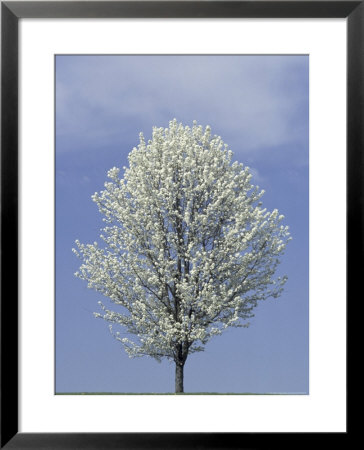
point(11, 12)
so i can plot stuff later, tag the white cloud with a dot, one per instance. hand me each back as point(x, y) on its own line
point(253, 102)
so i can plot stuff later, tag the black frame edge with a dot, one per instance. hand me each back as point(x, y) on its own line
point(10, 438)
point(168, 441)
point(9, 224)
point(184, 9)
point(354, 168)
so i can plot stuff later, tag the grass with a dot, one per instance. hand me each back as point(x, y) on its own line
point(170, 393)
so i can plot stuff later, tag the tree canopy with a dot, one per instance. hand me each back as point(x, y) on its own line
point(187, 249)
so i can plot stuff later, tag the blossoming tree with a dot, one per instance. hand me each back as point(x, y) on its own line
point(187, 251)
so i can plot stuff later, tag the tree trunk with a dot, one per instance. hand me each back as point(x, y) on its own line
point(179, 377)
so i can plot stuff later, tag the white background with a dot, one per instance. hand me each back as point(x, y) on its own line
point(324, 408)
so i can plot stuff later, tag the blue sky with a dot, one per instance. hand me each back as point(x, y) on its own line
point(259, 106)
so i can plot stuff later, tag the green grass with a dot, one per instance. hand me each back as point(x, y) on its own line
point(167, 393)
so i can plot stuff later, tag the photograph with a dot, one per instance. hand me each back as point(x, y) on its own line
point(181, 208)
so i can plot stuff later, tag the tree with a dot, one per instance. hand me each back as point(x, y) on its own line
point(188, 250)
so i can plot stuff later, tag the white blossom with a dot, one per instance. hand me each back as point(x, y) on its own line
point(187, 250)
